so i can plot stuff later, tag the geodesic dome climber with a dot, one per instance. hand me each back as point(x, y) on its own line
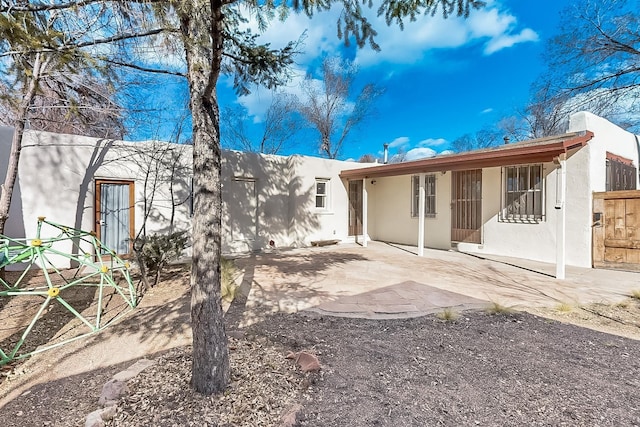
point(43, 306)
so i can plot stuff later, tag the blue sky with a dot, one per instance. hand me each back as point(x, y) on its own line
point(442, 78)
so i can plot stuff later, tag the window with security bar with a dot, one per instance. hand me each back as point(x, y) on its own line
point(429, 195)
point(523, 196)
point(621, 175)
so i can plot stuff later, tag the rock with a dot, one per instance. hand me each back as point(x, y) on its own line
point(109, 412)
point(237, 334)
point(307, 361)
point(111, 391)
point(133, 370)
point(290, 418)
point(94, 419)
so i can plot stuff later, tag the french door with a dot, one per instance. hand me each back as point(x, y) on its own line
point(115, 215)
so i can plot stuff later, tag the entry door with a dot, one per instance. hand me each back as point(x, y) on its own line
point(355, 208)
point(466, 202)
point(115, 215)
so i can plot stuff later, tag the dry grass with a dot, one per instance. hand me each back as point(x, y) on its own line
point(229, 286)
point(635, 294)
point(448, 315)
point(497, 308)
point(564, 307)
point(623, 304)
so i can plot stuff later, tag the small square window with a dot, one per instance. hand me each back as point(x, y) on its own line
point(322, 193)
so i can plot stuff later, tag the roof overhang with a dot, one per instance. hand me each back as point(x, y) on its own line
point(534, 151)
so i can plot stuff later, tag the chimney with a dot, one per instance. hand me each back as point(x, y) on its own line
point(386, 154)
point(506, 140)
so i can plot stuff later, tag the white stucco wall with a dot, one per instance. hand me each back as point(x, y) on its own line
point(393, 221)
point(534, 241)
point(57, 175)
point(252, 219)
point(586, 173)
point(283, 207)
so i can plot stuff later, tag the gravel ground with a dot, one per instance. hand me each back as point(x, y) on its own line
point(481, 369)
point(478, 370)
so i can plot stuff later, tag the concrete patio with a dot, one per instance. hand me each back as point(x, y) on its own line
point(390, 281)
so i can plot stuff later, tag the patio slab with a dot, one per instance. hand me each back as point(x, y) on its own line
point(389, 281)
point(405, 299)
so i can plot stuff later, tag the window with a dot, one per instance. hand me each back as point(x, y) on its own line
point(523, 193)
point(621, 174)
point(429, 195)
point(322, 193)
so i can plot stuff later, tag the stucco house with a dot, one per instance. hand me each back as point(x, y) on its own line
point(119, 189)
point(530, 199)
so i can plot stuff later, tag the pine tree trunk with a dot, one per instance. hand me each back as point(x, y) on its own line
point(201, 25)
point(12, 174)
point(16, 143)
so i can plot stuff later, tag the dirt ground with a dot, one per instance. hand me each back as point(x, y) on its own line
point(477, 369)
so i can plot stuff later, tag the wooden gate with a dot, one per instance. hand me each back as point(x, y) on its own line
point(616, 230)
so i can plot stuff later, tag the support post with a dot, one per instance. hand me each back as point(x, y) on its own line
point(365, 212)
point(561, 217)
point(421, 207)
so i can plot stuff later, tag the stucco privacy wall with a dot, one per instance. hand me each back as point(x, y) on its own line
point(273, 198)
point(57, 175)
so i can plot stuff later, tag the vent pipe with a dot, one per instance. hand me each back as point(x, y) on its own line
point(386, 153)
point(506, 139)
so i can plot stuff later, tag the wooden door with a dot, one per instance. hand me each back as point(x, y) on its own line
point(466, 203)
point(616, 230)
point(115, 215)
point(355, 208)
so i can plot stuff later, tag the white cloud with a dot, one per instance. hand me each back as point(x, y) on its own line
point(318, 34)
point(420, 153)
point(259, 100)
point(507, 40)
point(497, 28)
point(493, 25)
point(399, 142)
point(486, 111)
point(445, 152)
point(432, 142)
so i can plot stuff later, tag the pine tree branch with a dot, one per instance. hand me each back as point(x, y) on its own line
point(5, 7)
point(145, 69)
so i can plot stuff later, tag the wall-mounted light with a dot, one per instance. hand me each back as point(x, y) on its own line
point(373, 182)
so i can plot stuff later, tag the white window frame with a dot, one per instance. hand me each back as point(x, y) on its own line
point(531, 194)
point(325, 196)
point(429, 195)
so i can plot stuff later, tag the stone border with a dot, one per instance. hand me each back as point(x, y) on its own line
point(113, 389)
